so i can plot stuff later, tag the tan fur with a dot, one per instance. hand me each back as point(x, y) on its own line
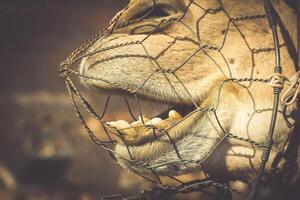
point(240, 108)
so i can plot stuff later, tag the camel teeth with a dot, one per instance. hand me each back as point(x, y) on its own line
point(149, 122)
point(112, 123)
point(145, 119)
point(156, 121)
point(174, 115)
point(121, 124)
point(136, 123)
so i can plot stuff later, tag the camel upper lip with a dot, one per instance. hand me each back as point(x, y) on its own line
point(183, 109)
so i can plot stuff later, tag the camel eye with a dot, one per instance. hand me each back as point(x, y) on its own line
point(156, 11)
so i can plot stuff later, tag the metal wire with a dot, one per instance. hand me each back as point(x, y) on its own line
point(68, 72)
point(278, 69)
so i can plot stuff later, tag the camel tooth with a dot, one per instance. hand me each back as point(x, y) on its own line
point(121, 124)
point(112, 123)
point(174, 115)
point(156, 121)
point(136, 123)
point(145, 119)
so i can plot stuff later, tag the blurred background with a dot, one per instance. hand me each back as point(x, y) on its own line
point(44, 151)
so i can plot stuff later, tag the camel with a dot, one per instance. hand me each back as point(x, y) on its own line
point(189, 54)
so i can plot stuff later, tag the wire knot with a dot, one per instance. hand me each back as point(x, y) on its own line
point(277, 80)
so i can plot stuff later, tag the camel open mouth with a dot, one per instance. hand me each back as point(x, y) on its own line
point(144, 129)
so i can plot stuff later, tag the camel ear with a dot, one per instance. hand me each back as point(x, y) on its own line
point(292, 3)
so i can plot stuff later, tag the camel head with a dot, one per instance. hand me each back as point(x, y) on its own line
point(187, 54)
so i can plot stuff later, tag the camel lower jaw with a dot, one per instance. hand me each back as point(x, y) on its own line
point(160, 155)
point(154, 141)
point(146, 130)
point(142, 150)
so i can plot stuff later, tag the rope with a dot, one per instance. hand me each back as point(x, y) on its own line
point(289, 97)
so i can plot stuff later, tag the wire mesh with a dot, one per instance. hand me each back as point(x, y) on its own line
point(143, 131)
